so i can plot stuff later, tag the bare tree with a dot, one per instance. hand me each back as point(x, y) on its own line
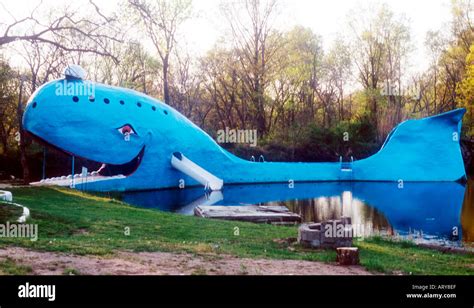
point(435, 43)
point(222, 83)
point(161, 20)
point(187, 86)
point(251, 25)
point(68, 30)
point(338, 66)
point(43, 61)
point(380, 46)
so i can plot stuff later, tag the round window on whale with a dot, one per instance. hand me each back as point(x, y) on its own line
point(166, 112)
point(75, 99)
point(153, 108)
point(139, 104)
point(34, 104)
point(91, 99)
point(122, 102)
point(106, 100)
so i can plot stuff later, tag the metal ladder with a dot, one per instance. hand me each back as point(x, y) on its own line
point(346, 168)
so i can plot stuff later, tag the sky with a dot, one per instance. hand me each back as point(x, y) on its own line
point(326, 18)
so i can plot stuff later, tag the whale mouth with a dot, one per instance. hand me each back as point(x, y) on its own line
point(106, 170)
point(125, 169)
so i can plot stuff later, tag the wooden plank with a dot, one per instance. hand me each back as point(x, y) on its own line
point(251, 213)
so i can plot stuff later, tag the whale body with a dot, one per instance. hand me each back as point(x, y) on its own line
point(135, 136)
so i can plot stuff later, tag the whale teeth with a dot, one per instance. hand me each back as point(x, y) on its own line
point(65, 180)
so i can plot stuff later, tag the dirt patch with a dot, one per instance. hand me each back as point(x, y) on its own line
point(81, 231)
point(164, 263)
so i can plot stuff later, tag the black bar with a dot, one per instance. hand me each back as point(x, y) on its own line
point(380, 291)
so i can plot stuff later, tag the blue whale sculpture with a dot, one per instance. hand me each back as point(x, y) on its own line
point(136, 137)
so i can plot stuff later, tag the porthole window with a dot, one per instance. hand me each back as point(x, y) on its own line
point(122, 102)
point(153, 108)
point(166, 112)
point(106, 100)
point(34, 104)
point(75, 99)
point(91, 98)
point(139, 104)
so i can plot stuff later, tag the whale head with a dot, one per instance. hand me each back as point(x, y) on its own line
point(109, 125)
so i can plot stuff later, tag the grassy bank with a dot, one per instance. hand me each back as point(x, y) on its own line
point(9, 212)
point(70, 221)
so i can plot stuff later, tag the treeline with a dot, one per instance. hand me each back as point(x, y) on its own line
point(306, 102)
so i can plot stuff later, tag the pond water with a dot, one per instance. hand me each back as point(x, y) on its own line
point(440, 213)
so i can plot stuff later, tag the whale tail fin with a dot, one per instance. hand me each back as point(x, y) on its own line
point(426, 149)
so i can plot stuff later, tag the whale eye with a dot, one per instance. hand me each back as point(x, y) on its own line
point(126, 130)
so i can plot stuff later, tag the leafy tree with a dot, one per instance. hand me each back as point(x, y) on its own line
point(465, 90)
point(8, 106)
point(380, 47)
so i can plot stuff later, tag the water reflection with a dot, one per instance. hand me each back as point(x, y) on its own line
point(368, 219)
point(430, 210)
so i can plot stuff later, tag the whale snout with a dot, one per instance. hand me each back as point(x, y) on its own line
point(93, 126)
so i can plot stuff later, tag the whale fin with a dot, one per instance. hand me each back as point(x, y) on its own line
point(416, 150)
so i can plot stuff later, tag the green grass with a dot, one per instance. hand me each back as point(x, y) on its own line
point(71, 221)
point(9, 212)
point(71, 271)
point(10, 267)
point(388, 256)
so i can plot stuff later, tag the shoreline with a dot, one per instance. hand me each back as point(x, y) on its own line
point(78, 224)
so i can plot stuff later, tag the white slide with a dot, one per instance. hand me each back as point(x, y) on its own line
point(186, 166)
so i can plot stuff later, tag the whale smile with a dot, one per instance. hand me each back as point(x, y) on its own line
point(125, 169)
point(106, 170)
